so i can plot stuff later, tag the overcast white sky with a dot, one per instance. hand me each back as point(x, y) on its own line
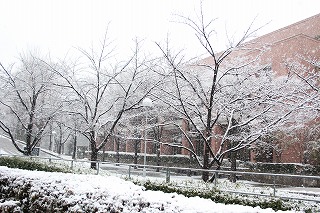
point(60, 25)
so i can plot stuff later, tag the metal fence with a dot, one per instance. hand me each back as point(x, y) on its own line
point(169, 174)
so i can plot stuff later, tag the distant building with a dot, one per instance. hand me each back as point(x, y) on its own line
point(293, 42)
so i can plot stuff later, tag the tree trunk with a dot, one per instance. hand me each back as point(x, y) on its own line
point(233, 160)
point(205, 174)
point(158, 155)
point(94, 157)
point(233, 154)
point(104, 153)
point(74, 154)
point(135, 160)
point(28, 148)
point(214, 175)
point(60, 142)
point(118, 149)
point(59, 148)
point(94, 153)
point(50, 138)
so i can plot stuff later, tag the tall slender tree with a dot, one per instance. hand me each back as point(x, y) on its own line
point(28, 98)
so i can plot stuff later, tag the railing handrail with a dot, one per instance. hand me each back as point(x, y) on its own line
point(173, 168)
point(168, 169)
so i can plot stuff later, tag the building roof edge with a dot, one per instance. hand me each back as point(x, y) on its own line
point(286, 27)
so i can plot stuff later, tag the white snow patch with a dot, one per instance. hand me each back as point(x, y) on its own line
point(2, 152)
point(9, 203)
point(99, 191)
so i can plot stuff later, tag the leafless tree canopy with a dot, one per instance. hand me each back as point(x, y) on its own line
point(229, 100)
point(237, 94)
point(28, 100)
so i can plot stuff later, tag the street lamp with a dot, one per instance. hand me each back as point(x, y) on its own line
point(147, 102)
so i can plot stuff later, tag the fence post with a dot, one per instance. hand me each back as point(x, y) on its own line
point(274, 186)
point(129, 171)
point(168, 176)
point(215, 179)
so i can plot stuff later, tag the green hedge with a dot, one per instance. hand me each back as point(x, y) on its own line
point(23, 163)
point(217, 196)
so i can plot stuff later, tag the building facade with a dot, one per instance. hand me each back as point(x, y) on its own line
point(297, 42)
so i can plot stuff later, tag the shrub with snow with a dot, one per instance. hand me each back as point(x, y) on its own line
point(36, 191)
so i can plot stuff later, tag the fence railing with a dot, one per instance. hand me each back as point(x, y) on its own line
point(174, 173)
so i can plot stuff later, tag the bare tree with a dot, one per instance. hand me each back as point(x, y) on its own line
point(103, 90)
point(63, 135)
point(231, 93)
point(141, 125)
point(303, 66)
point(306, 68)
point(28, 99)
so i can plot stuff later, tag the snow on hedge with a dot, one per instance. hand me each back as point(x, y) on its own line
point(93, 193)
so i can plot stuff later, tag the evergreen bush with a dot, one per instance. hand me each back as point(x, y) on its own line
point(216, 196)
point(22, 163)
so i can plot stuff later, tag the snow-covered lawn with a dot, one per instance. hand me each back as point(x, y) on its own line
point(95, 193)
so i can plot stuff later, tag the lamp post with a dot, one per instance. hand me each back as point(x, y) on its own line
point(147, 102)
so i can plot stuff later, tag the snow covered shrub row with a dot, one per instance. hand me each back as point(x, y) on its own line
point(23, 163)
point(37, 191)
point(54, 192)
point(9, 206)
point(218, 196)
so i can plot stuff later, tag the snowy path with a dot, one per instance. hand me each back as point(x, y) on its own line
point(7, 148)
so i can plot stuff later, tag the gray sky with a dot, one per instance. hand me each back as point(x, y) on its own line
point(60, 25)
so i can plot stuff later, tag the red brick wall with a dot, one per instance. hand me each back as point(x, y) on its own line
point(293, 42)
point(309, 27)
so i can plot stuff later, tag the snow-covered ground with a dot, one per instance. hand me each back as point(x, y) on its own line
point(103, 192)
point(265, 192)
point(223, 184)
point(100, 183)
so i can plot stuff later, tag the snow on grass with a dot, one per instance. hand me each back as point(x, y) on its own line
point(101, 193)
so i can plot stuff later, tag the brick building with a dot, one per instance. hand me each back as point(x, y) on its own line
point(293, 42)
